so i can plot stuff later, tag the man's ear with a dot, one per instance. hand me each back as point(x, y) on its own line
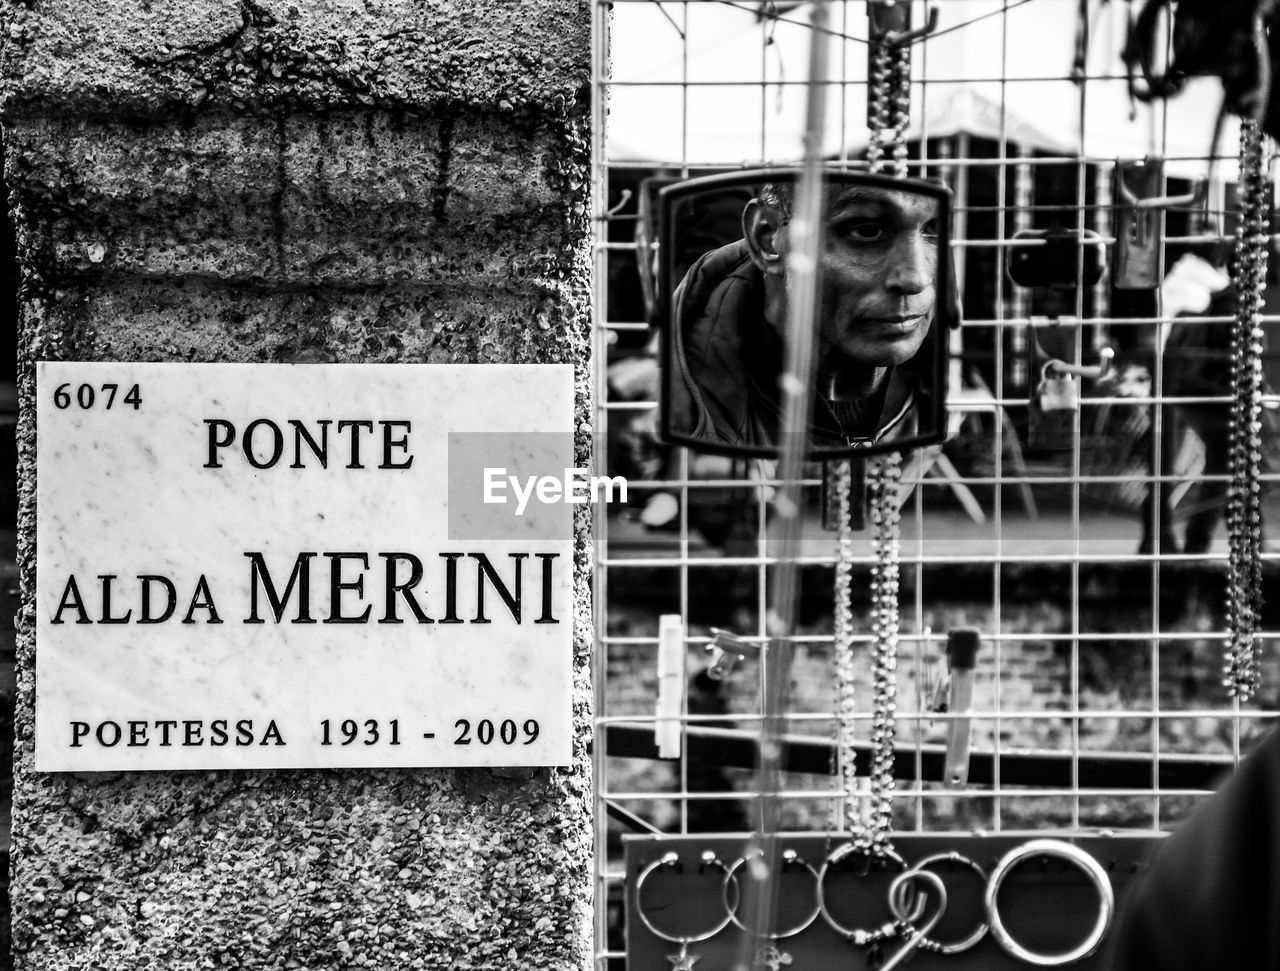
point(761, 226)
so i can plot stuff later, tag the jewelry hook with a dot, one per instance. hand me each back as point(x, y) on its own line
point(898, 904)
point(1096, 372)
point(890, 23)
point(898, 39)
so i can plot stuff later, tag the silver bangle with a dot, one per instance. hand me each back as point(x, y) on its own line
point(1072, 854)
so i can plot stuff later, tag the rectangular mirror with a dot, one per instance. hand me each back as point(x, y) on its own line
point(885, 305)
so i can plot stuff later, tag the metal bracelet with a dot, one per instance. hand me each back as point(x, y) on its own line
point(1072, 854)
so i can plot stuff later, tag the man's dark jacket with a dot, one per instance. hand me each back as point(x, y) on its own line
point(728, 358)
point(1211, 899)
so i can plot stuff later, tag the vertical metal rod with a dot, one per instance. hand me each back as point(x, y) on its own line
point(599, 525)
point(797, 381)
point(1082, 170)
point(998, 419)
point(684, 90)
point(1158, 432)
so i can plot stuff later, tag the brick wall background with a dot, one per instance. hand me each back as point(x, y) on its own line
point(1036, 675)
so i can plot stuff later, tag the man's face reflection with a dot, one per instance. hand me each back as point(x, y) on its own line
point(876, 302)
point(879, 275)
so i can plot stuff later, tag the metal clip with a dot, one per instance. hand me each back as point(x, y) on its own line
point(727, 651)
point(1139, 220)
point(1192, 198)
point(937, 687)
point(672, 682)
point(963, 644)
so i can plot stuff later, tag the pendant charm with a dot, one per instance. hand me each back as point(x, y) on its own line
point(770, 957)
point(683, 961)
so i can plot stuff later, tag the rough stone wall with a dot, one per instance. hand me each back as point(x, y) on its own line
point(331, 180)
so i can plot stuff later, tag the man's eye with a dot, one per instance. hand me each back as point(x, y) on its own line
point(864, 232)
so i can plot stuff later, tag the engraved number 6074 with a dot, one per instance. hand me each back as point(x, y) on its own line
point(86, 395)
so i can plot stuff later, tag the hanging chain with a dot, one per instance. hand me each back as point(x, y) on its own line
point(846, 702)
point(888, 111)
point(882, 495)
point(888, 105)
point(1244, 495)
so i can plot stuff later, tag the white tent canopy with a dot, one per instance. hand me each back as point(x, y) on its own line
point(731, 92)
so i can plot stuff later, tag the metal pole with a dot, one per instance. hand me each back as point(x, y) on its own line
point(797, 382)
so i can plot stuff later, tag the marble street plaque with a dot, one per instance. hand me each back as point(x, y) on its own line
point(260, 566)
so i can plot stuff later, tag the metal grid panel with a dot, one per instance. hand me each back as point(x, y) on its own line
point(1099, 702)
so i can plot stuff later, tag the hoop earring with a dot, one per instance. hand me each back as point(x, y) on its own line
point(862, 937)
point(978, 933)
point(682, 960)
point(770, 956)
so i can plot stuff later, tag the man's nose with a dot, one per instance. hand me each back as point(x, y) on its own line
point(911, 268)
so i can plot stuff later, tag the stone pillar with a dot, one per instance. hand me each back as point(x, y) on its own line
point(325, 180)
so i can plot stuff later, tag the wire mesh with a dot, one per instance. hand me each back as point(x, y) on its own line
point(1085, 549)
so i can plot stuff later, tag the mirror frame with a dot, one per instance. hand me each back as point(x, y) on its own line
point(931, 405)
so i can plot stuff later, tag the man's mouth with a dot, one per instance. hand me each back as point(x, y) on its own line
point(902, 322)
